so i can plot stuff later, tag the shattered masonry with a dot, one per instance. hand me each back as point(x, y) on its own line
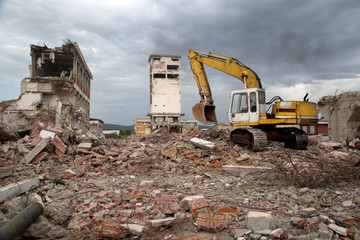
point(57, 91)
point(343, 115)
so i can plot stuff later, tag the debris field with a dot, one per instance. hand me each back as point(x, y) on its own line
point(196, 185)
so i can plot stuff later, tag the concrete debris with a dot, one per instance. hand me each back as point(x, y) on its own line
point(163, 186)
point(35, 151)
point(11, 190)
point(55, 94)
point(343, 115)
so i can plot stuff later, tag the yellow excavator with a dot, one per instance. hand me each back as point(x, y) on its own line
point(247, 110)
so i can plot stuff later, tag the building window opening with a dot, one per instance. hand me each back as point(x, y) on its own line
point(173, 75)
point(173, 67)
point(156, 59)
point(159, 75)
point(175, 59)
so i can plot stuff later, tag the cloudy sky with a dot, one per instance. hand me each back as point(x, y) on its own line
point(296, 47)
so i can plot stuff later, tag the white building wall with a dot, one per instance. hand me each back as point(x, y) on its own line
point(165, 84)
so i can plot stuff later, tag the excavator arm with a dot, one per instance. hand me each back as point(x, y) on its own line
point(204, 111)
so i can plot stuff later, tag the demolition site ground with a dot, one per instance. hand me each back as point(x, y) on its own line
point(197, 185)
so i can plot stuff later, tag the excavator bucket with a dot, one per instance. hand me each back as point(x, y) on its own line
point(204, 113)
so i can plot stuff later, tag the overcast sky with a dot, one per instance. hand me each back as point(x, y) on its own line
point(296, 47)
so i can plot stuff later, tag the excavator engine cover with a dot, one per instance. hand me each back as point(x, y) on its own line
point(204, 113)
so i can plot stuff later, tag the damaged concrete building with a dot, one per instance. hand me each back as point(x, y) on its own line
point(343, 115)
point(165, 94)
point(57, 92)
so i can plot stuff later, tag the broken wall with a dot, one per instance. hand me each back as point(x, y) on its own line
point(56, 93)
point(343, 115)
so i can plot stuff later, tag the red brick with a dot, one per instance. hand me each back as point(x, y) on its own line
point(109, 229)
point(199, 205)
point(166, 205)
point(212, 222)
point(226, 210)
point(60, 147)
point(68, 175)
point(40, 157)
point(169, 152)
point(79, 208)
point(192, 155)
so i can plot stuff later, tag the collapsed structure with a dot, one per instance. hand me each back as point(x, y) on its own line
point(343, 115)
point(57, 91)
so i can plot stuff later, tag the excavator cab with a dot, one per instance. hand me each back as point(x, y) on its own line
point(247, 106)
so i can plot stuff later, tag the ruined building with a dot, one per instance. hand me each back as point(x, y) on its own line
point(165, 90)
point(343, 115)
point(56, 93)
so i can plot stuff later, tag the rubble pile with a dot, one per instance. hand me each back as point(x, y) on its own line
point(197, 185)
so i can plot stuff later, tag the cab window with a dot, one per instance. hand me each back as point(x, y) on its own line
point(253, 102)
point(239, 103)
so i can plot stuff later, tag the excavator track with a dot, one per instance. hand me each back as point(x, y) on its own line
point(254, 139)
point(292, 137)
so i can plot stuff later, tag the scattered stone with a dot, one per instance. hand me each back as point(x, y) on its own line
point(338, 229)
point(258, 221)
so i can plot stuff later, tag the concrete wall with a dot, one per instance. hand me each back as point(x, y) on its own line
point(165, 84)
point(343, 115)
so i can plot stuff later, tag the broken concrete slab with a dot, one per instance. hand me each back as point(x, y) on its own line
point(85, 145)
point(202, 143)
point(161, 222)
point(258, 221)
point(47, 134)
point(338, 229)
point(6, 171)
point(35, 151)
point(18, 188)
point(241, 171)
point(135, 229)
point(22, 149)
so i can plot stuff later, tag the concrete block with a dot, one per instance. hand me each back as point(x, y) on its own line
point(22, 149)
point(239, 232)
point(348, 204)
point(47, 134)
point(85, 145)
point(338, 229)
point(146, 184)
point(241, 171)
point(203, 143)
point(161, 222)
point(135, 229)
point(258, 221)
point(15, 189)
point(6, 171)
point(35, 151)
point(307, 211)
point(276, 233)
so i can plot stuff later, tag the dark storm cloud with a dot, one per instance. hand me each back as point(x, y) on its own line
point(290, 44)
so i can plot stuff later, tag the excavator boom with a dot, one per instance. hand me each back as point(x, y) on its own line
point(204, 111)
